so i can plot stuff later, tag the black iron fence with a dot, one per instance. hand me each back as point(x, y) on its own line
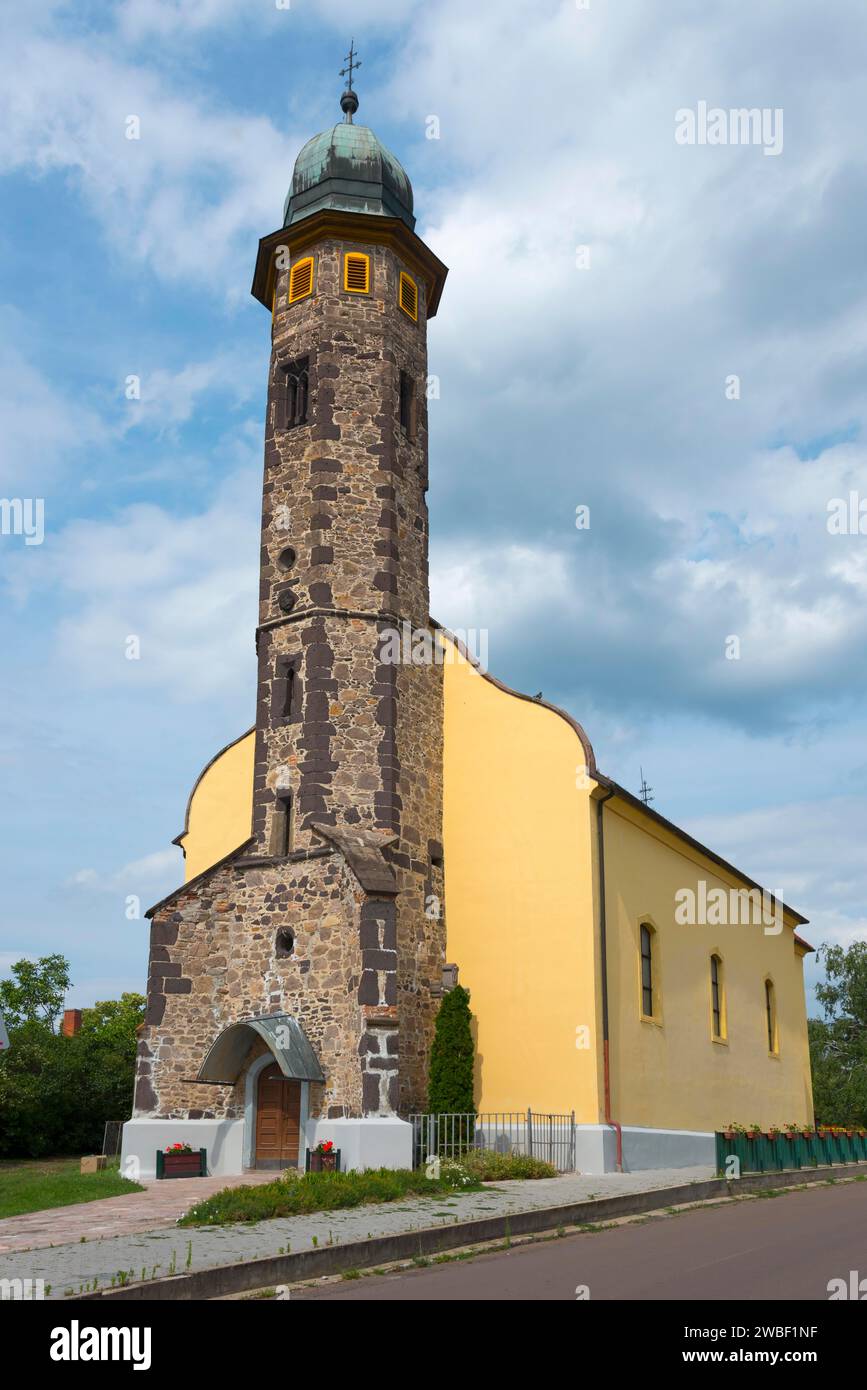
point(547, 1136)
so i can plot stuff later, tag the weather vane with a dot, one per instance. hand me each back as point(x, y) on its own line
point(349, 100)
point(645, 789)
point(351, 65)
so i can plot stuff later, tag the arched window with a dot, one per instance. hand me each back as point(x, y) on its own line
point(717, 998)
point(646, 970)
point(294, 389)
point(771, 1017)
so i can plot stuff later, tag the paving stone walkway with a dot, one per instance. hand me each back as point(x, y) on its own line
point(153, 1245)
point(160, 1204)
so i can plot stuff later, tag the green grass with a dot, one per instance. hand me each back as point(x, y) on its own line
point(35, 1184)
point(294, 1196)
point(488, 1166)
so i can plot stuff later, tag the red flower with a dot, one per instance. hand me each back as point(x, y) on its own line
point(327, 1146)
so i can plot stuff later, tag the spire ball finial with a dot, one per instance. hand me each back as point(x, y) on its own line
point(349, 100)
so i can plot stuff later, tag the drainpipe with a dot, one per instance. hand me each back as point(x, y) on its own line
point(603, 970)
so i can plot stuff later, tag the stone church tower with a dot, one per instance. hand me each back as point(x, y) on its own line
point(297, 979)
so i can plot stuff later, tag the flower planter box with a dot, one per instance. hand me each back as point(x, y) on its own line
point(323, 1163)
point(180, 1165)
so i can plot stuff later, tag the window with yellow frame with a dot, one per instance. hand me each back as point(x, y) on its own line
point(408, 296)
point(356, 272)
point(301, 279)
point(648, 960)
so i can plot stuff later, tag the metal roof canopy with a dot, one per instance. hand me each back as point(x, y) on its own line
point(285, 1038)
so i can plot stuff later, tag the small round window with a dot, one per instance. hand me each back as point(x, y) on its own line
point(285, 943)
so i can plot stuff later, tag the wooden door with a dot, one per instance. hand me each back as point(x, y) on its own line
point(278, 1119)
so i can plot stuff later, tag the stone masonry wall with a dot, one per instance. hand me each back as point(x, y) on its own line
point(352, 737)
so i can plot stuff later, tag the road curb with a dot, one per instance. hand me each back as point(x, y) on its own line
point(221, 1280)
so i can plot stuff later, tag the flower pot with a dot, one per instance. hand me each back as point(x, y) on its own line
point(323, 1163)
point(182, 1165)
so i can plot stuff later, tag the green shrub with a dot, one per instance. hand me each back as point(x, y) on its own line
point(487, 1166)
point(295, 1196)
point(450, 1085)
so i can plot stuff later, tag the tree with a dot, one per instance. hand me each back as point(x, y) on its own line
point(37, 992)
point(450, 1083)
point(838, 1043)
point(56, 1092)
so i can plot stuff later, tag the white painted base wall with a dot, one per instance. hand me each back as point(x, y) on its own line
point(372, 1142)
point(366, 1143)
point(643, 1149)
point(223, 1139)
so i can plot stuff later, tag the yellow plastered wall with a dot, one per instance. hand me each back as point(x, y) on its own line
point(221, 808)
point(670, 1074)
point(518, 876)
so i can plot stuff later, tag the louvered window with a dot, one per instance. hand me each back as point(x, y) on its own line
point(409, 295)
point(301, 279)
point(356, 273)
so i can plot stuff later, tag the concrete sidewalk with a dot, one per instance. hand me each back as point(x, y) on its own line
point(70, 1268)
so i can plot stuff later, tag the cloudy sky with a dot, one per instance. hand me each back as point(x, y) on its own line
point(606, 285)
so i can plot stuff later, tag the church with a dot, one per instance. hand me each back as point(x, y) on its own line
point(397, 820)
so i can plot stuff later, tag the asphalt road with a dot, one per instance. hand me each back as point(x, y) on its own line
point(786, 1247)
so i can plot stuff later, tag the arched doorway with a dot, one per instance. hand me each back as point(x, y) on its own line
point(278, 1119)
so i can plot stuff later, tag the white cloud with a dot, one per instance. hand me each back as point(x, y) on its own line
point(40, 425)
point(169, 398)
point(188, 198)
point(161, 867)
point(183, 587)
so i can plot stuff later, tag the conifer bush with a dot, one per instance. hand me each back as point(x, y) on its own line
point(450, 1081)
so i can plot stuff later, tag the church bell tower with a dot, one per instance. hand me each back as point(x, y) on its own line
point(349, 742)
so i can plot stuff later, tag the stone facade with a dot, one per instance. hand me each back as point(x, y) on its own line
point(346, 851)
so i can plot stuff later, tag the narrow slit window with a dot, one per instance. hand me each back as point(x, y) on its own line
point(287, 689)
point(771, 1016)
point(409, 296)
point(356, 273)
point(301, 279)
point(281, 834)
point(716, 995)
point(646, 971)
point(407, 405)
point(289, 695)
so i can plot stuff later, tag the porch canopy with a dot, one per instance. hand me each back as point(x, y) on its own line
point(285, 1038)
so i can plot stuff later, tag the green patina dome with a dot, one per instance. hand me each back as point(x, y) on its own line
point(349, 170)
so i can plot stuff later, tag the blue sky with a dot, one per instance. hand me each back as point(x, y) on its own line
point(560, 386)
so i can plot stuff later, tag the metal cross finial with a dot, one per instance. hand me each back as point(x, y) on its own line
point(352, 65)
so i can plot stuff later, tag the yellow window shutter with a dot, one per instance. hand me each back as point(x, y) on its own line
point(301, 279)
point(356, 273)
point(409, 295)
